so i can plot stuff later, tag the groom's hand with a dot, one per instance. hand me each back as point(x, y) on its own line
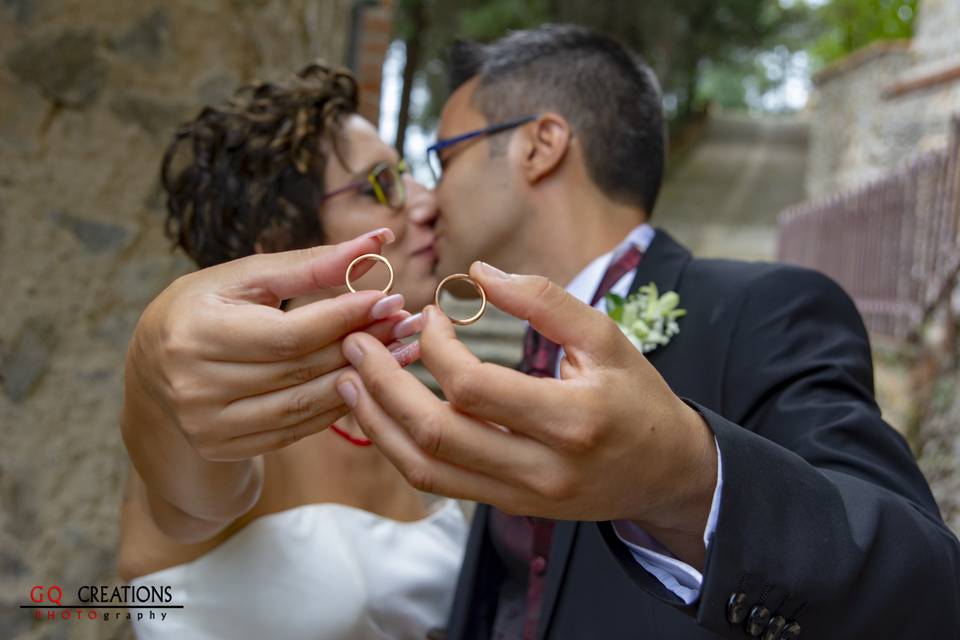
point(608, 440)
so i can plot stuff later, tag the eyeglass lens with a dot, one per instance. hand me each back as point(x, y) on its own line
point(391, 185)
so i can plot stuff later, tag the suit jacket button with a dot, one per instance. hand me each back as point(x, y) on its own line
point(757, 622)
point(791, 631)
point(737, 607)
point(772, 632)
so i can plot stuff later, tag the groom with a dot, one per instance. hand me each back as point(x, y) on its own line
point(736, 482)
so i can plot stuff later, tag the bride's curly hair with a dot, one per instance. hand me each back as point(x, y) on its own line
point(250, 174)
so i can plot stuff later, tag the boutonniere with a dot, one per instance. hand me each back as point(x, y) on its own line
point(647, 318)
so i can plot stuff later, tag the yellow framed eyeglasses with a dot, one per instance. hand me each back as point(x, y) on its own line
point(384, 182)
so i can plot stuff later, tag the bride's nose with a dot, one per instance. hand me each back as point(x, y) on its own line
point(422, 206)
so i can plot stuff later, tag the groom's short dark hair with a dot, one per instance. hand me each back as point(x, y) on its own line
point(609, 95)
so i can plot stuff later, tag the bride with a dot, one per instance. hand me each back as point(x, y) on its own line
point(318, 537)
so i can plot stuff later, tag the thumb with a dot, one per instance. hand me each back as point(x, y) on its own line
point(299, 272)
point(549, 309)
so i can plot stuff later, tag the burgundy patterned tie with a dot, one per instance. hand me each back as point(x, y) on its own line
point(539, 354)
point(626, 263)
point(524, 542)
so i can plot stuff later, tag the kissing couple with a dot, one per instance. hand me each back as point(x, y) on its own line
point(689, 449)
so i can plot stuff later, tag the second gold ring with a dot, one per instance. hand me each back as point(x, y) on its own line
point(476, 285)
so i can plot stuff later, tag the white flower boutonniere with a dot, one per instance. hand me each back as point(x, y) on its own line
point(648, 319)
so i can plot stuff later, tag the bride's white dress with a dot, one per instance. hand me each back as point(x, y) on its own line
point(319, 571)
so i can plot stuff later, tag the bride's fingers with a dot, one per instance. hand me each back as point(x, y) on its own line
point(236, 380)
point(253, 444)
point(260, 333)
point(281, 408)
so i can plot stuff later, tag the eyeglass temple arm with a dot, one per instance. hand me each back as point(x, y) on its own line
point(344, 189)
point(486, 131)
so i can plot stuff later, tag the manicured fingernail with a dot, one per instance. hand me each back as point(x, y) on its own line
point(348, 393)
point(384, 234)
point(407, 354)
point(493, 272)
point(387, 307)
point(353, 352)
point(408, 327)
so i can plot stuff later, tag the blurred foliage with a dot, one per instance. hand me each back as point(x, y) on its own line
point(851, 24)
point(679, 39)
point(728, 52)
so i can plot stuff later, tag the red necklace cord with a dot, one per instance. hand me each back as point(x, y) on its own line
point(360, 442)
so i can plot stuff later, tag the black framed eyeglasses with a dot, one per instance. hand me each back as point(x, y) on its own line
point(384, 182)
point(433, 151)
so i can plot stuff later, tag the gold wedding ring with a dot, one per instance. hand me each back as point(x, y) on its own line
point(371, 256)
point(476, 285)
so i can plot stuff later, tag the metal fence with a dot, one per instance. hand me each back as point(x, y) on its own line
point(892, 244)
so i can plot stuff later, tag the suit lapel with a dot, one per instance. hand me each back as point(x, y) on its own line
point(564, 535)
point(470, 615)
point(663, 263)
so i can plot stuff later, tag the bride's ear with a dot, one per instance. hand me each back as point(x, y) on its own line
point(544, 145)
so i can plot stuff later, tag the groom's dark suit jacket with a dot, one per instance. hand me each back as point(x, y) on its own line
point(825, 518)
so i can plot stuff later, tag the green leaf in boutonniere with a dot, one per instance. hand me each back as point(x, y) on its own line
point(615, 306)
point(648, 319)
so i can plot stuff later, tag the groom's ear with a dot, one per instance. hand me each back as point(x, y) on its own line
point(544, 144)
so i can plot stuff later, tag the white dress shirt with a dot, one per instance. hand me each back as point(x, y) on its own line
point(680, 578)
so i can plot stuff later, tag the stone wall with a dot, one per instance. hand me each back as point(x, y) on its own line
point(937, 40)
point(849, 136)
point(886, 102)
point(89, 93)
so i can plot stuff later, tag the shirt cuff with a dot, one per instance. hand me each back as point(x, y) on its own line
point(681, 579)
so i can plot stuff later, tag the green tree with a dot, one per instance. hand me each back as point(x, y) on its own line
point(848, 25)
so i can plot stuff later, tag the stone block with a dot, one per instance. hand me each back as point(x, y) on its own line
point(28, 359)
point(157, 116)
point(147, 38)
point(95, 236)
point(65, 65)
point(22, 10)
point(14, 620)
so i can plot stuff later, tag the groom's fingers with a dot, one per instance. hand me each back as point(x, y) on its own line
point(437, 429)
point(549, 309)
point(422, 471)
point(537, 407)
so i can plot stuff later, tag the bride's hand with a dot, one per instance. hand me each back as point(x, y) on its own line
point(215, 357)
